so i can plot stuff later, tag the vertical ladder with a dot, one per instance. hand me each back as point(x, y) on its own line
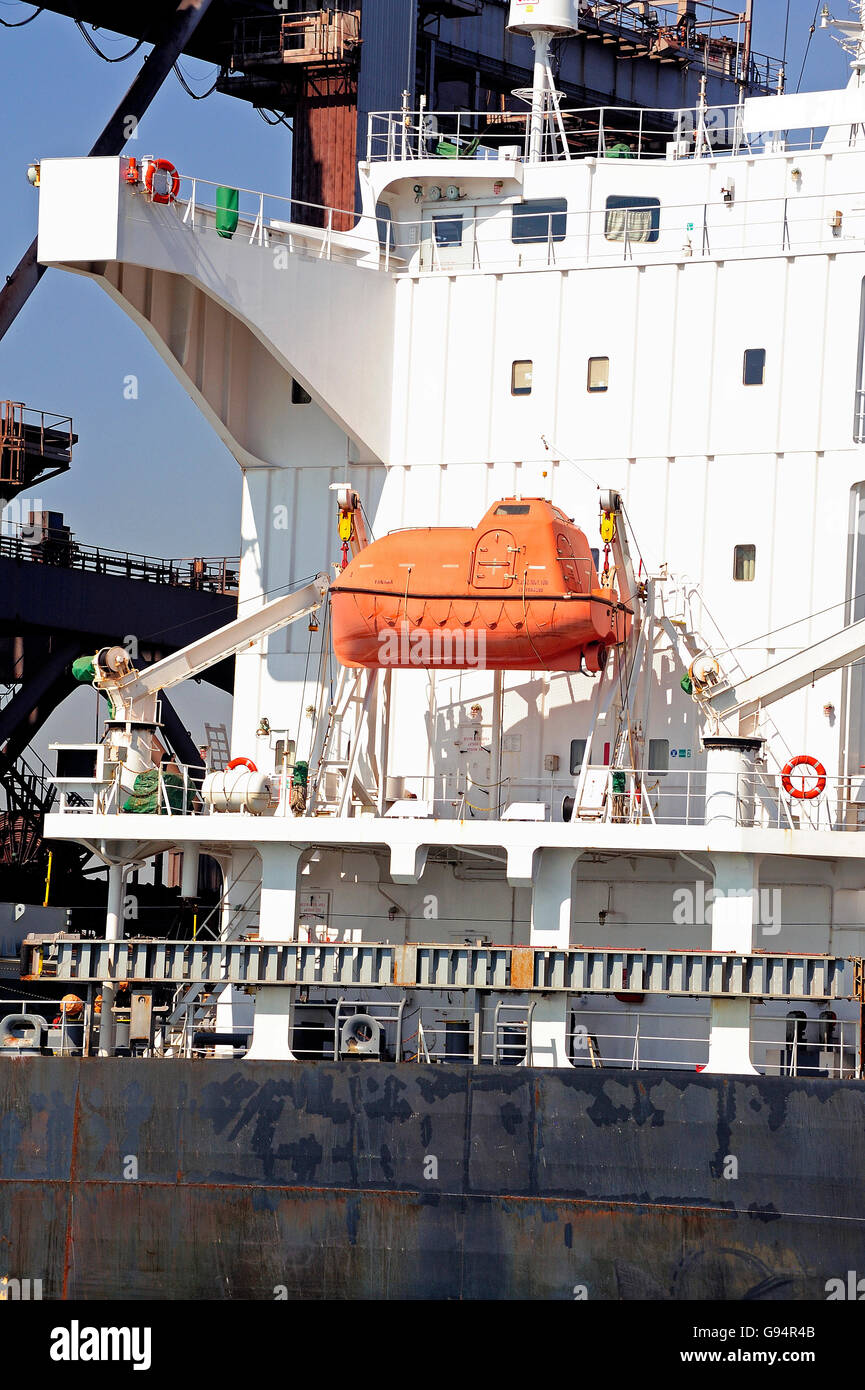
point(12, 443)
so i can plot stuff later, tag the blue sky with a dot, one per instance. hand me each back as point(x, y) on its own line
point(149, 475)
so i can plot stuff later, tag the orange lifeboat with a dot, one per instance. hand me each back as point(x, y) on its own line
point(519, 592)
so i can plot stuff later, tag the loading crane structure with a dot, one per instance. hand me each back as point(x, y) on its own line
point(133, 695)
point(744, 699)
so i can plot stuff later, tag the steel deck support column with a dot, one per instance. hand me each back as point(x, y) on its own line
point(276, 922)
point(551, 926)
point(113, 932)
point(737, 880)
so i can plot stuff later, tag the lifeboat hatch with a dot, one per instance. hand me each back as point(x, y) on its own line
point(568, 561)
point(494, 559)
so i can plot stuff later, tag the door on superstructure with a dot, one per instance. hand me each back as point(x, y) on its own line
point(447, 234)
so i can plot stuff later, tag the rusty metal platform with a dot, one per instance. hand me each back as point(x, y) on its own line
point(578, 970)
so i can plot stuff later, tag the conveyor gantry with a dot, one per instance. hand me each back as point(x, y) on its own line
point(578, 970)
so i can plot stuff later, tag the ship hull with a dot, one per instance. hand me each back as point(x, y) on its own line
point(124, 1179)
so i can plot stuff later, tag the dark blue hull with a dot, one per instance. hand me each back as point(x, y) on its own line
point(362, 1180)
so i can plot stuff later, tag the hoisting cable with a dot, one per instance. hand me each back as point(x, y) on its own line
point(811, 33)
point(98, 51)
point(196, 96)
point(7, 23)
point(277, 119)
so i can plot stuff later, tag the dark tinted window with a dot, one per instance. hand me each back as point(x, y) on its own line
point(754, 369)
point(539, 220)
point(448, 228)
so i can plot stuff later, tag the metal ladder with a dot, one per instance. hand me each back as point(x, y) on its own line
point(12, 445)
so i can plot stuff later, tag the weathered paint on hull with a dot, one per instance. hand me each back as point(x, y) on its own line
point(310, 1178)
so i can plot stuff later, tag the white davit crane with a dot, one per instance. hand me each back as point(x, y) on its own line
point(747, 696)
point(133, 695)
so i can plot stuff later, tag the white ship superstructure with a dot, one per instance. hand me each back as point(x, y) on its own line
point(657, 323)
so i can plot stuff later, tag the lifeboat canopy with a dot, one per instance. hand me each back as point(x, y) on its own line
point(518, 592)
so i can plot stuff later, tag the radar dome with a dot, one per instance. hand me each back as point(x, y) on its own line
point(554, 16)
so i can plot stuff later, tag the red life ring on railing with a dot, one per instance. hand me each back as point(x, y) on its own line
point(163, 166)
point(800, 793)
point(242, 762)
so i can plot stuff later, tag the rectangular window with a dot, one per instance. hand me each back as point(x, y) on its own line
point(448, 228)
point(633, 219)
point(859, 404)
point(540, 220)
point(599, 374)
point(298, 395)
point(754, 368)
point(521, 379)
point(384, 218)
point(744, 563)
point(659, 756)
point(578, 752)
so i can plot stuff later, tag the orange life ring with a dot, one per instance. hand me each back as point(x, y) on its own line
point(800, 793)
point(166, 167)
point(241, 762)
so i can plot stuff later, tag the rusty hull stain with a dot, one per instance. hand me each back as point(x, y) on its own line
point(314, 1177)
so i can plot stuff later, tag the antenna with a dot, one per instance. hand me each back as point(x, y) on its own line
point(850, 32)
point(543, 20)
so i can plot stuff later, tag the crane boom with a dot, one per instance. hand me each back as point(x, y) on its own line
point(745, 697)
point(224, 642)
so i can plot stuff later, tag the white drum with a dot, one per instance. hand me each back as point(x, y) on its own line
point(240, 790)
point(554, 16)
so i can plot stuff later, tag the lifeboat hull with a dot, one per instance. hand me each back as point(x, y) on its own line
point(518, 592)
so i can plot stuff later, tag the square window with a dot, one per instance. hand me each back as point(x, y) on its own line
point(633, 219)
point(540, 220)
point(744, 563)
point(599, 374)
point(754, 369)
point(448, 228)
point(521, 378)
point(659, 756)
point(298, 395)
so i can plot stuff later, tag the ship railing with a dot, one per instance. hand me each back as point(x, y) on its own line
point(454, 235)
point(859, 421)
point(447, 140)
point(498, 1032)
point(636, 1038)
point(65, 1034)
point(213, 574)
point(270, 220)
point(447, 237)
point(671, 796)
